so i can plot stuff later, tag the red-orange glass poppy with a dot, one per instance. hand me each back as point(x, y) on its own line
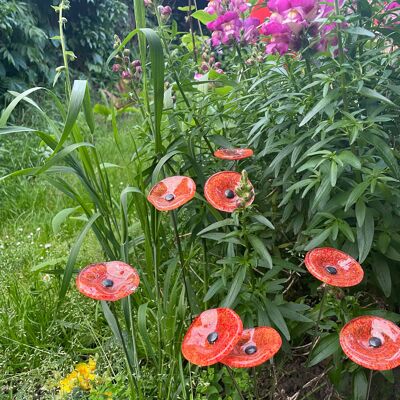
point(334, 267)
point(260, 11)
point(108, 281)
point(172, 192)
point(254, 347)
point(233, 154)
point(212, 336)
point(372, 342)
point(220, 191)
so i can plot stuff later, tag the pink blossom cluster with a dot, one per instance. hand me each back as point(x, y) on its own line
point(290, 18)
point(231, 24)
point(393, 8)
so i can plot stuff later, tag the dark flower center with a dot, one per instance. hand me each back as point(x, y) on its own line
point(169, 197)
point(249, 350)
point(107, 283)
point(375, 342)
point(229, 194)
point(331, 270)
point(212, 337)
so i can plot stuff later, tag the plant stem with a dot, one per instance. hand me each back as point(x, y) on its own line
point(64, 51)
point(132, 380)
point(255, 383)
point(206, 267)
point(181, 259)
point(341, 56)
point(274, 378)
point(321, 308)
point(230, 372)
point(371, 372)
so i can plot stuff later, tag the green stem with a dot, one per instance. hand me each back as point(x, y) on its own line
point(231, 375)
point(131, 378)
point(274, 378)
point(206, 268)
point(321, 308)
point(182, 260)
point(63, 49)
point(341, 56)
point(371, 372)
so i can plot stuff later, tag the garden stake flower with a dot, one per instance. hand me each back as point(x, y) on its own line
point(228, 191)
point(211, 337)
point(112, 281)
point(260, 11)
point(233, 154)
point(335, 268)
point(255, 346)
point(371, 342)
point(108, 281)
point(168, 195)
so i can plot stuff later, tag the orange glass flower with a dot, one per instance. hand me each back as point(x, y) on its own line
point(372, 342)
point(220, 191)
point(212, 336)
point(108, 281)
point(233, 154)
point(254, 347)
point(334, 267)
point(172, 192)
point(260, 11)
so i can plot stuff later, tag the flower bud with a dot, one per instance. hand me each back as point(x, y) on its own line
point(126, 74)
point(116, 67)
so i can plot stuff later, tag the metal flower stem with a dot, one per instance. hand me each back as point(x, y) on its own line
point(181, 259)
point(321, 308)
point(231, 375)
point(371, 372)
point(132, 380)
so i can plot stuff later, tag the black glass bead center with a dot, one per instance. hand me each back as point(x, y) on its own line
point(107, 283)
point(249, 350)
point(169, 197)
point(331, 270)
point(229, 194)
point(375, 342)
point(212, 337)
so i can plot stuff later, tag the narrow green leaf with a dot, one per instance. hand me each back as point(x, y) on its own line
point(319, 239)
point(143, 330)
point(60, 217)
point(73, 256)
point(261, 249)
point(360, 212)
point(373, 94)
point(360, 384)
point(276, 317)
point(263, 220)
point(356, 193)
point(324, 102)
point(357, 30)
point(365, 236)
point(217, 225)
point(204, 17)
point(325, 348)
point(235, 287)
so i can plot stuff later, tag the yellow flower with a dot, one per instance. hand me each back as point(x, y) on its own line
point(69, 382)
point(82, 376)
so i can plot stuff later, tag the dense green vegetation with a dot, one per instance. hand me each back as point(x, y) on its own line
point(323, 126)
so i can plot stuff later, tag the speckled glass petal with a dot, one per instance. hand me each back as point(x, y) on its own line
point(372, 342)
point(334, 267)
point(172, 192)
point(233, 154)
point(211, 336)
point(216, 187)
point(255, 346)
point(260, 11)
point(108, 281)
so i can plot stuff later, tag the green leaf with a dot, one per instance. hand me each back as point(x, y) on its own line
point(15, 129)
point(323, 103)
point(143, 330)
point(60, 217)
point(360, 384)
point(347, 157)
point(217, 225)
point(213, 290)
point(276, 317)
point(236, 285)
point(333, 174)
point(48, 263)
point(260, 248)
point(382, 273)
point(319, 239)
point(73, 256)
point(263, 220)
point(204, 17)
point(325, 348)
point(373, 94)
point(365, 236)
point(356, 193)
point(357, 30)
point(360, 212)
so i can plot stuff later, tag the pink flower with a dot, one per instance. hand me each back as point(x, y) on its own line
point(198, 76)
point(250, 29)
point(295, 20)
point(116, 67)
point(279, 6)
point(228, 25)
point(274, 28)
point(126, 74)
point(278, 45)
point(392, 5)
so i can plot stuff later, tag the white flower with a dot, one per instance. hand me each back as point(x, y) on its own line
point(47, 245)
